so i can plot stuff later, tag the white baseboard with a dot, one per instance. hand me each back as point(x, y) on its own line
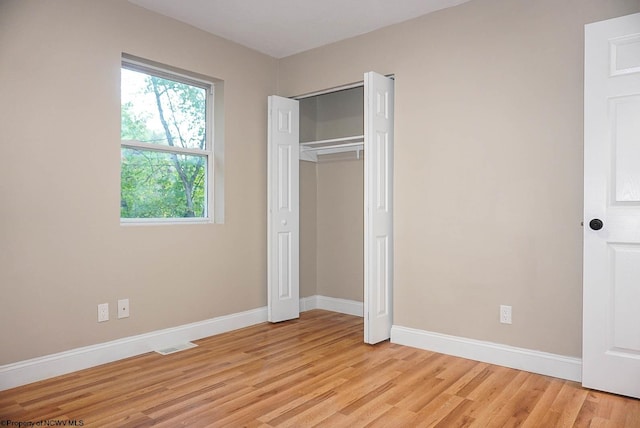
point(48, 366)
point(33, 370)
point(544, 363)
point(343, 306)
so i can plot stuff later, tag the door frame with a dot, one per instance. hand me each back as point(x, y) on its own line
point(366, 186)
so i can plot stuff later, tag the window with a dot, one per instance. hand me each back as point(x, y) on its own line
point(166, 153)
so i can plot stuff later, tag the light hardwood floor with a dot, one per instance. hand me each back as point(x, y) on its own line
point(314, 371)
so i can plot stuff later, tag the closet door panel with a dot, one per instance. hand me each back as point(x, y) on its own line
point(283, 224)
point(378, 240)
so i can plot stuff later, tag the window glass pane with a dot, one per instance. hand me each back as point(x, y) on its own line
point(162, 111)
point(162, 185)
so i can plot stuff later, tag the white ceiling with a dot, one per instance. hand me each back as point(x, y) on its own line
point(283, 27)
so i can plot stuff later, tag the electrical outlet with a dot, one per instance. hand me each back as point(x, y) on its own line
point(103, 312)
point(505, 314)
point(123, 308)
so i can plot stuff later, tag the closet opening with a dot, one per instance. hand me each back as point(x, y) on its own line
point(332, 199)
point(336, 205)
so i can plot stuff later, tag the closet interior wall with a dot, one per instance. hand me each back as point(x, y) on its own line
point(332, 199)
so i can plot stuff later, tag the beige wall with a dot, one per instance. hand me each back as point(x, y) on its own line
point(340, 114)
point(488, 171)
point(308, 229)
point(308, 118)
point(488, 162)
point(340, 226)
point(332, 227)
point(62, 249)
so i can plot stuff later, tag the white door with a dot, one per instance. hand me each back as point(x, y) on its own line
point(283, 225)
point(611, 311)
point(378, 210)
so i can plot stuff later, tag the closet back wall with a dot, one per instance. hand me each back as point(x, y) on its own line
point(332, 227)
point(340, 219)
point(332, 200)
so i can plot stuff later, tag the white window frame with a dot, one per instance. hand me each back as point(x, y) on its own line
point(147, 67)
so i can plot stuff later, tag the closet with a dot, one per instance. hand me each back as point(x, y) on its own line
point(330, 156)
point(332, 195)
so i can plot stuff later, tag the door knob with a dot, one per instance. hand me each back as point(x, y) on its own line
point(596, 224)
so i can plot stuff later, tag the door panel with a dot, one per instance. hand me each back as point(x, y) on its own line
point(378, 217)
point(625, 265)
point(611, 290)
point(284, 266)
point(283, 224)
point(625, 113)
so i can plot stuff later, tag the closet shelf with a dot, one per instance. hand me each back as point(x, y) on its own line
point(313, 144)
point(310, 150)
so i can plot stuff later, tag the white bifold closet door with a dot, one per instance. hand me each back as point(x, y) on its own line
point(283, 208)
point(283, 218)
point(378, 206)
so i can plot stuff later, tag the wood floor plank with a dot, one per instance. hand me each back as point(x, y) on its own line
point(314, 371)
point(543, 405)
point(436, 410)
point(439, 382)
point(360, 417)
point(456, 417)
point(526, 397)
point(570, 407)
point(490, 415)
point(291, 404)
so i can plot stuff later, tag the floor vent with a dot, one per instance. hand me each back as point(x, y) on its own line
point(176, 348)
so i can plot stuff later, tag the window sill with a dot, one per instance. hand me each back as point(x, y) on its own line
point(163, 221)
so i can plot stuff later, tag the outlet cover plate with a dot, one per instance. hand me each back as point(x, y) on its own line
point(103, 312)
point(505, 314)
point(123, 308)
